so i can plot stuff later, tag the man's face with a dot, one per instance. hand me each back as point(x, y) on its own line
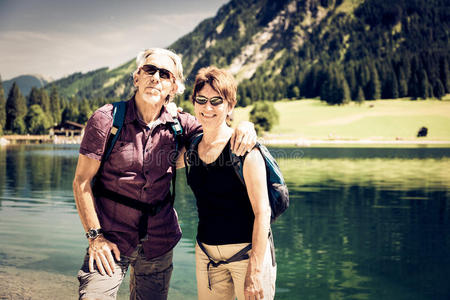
point(153, 82)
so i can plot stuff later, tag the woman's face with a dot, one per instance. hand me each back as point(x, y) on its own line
point(208, 115)
point(154, 88)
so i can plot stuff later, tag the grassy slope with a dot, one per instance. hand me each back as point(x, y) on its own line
point(374, 120)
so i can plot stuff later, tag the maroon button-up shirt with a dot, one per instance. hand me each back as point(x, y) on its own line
point(141, 167)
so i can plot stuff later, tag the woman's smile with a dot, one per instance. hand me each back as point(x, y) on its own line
point(208, 115)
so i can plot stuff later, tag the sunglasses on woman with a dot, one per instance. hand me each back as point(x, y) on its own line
point(213, 100)
point(151, 70)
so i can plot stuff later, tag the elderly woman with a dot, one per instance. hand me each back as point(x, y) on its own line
point(139, 170)
point(232, 217)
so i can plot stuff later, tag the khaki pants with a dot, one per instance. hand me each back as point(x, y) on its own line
point(149, 279)
point(227, 280)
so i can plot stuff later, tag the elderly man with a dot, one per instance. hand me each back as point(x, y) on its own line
point(139, 168)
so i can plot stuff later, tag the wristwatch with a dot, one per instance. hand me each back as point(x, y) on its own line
point(93, 233)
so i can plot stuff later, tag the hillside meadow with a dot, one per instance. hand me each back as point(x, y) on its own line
point(381, 120)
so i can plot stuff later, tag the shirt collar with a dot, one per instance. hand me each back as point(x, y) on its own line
point(131, 116)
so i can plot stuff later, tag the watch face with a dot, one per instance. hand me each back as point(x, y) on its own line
point(93, 233)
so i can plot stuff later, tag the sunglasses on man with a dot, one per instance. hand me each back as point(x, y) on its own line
point(216, 100)
point(151, 70)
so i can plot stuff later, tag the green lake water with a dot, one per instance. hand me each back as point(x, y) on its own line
point(364, 223)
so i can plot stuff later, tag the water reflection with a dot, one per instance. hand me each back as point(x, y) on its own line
point(363, 223)
point(365, 229)
point(39, 173)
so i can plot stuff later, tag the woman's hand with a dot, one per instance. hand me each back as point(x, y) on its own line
point(100, 252)
point(253, 285)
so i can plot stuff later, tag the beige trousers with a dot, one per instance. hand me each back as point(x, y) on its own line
point(227, 280)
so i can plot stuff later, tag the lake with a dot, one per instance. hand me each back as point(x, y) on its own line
point(364, 223)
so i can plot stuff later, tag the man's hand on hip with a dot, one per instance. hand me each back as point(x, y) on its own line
point(100, 252)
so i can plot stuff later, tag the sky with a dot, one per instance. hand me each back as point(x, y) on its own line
point(56, 38)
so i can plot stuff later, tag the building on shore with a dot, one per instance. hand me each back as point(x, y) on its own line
point(67, 129)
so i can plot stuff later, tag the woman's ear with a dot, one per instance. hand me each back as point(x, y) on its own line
point(230, 108)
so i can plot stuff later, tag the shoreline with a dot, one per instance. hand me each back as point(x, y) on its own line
point(271, 141)
point(302, 142)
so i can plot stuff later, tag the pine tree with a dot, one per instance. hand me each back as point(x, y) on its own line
point(363, 76)
point(85, 111)
point(34, 97)
point(439, 90)
point(2, 107)
point(444, 73)
point(335, 89)
point(295, 92)
point(55, 105)
point(352, 84)
point(71, 112)
point(390, 86)
point(360, 97)
point(328, 88)
point(424, 86)
point(373, 90)
point(402, 84)
point(345, 91)
point(45, 104)
point(16, 110)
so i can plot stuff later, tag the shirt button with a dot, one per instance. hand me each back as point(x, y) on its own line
point(145, 189)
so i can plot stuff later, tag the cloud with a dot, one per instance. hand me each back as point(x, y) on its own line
point(57, 54)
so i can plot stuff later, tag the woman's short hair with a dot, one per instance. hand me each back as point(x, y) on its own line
point(220, 80)
point(179, 78)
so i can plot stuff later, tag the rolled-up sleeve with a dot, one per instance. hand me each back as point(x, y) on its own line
point(96, 132)
point(191, 127)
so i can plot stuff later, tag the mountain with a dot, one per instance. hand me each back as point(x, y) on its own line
point(338, 50)
point(25, 83)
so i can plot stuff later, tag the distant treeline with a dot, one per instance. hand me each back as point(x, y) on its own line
point(424, 75)
point(386, 50)
point(41, 110)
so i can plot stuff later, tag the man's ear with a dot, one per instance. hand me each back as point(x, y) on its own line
point(174, 88)
point(135, 78)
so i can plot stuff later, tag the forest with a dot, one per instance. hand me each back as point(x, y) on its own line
point(335, 51)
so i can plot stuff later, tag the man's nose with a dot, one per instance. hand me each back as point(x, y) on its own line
point(156, 77)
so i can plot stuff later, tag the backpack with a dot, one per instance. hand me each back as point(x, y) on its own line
point(119, 112)
point(276, 186)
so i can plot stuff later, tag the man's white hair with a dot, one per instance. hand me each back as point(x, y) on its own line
point(179, 78)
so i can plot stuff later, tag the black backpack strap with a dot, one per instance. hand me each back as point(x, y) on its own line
point(191, 154)
point(238, 165)
point(240, 255)
point(177, 131)
point(147, 209)
point(119, 111)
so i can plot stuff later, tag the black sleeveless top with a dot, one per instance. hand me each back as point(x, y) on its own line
point(224, 210)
